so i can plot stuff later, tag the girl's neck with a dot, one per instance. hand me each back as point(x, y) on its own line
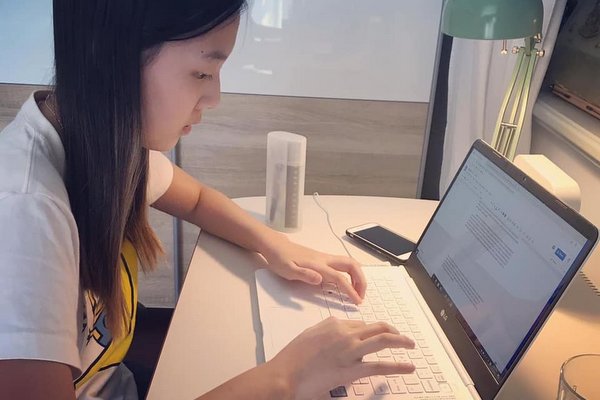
point(47, 105)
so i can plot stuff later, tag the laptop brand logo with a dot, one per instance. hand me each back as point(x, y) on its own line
point(444, 315)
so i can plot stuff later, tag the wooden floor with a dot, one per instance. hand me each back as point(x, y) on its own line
point(354, 147)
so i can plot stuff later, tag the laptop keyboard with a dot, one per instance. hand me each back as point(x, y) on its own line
point(384, 301)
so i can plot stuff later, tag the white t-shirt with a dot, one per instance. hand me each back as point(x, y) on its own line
point(45, 314)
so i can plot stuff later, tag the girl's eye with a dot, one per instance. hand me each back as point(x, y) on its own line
point(202, 76)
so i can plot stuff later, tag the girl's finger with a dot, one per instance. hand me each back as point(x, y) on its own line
point(295, 273)
point(370, 368)
point(354, 269)
point(376, 328)
point(382, 341)
point(345, 286)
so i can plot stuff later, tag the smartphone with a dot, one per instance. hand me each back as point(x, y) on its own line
point(382, 240)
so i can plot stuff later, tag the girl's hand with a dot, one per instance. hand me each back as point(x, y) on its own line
point(330, 354)
point(295, 262)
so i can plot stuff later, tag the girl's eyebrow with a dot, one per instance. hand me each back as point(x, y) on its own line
point(215, 55)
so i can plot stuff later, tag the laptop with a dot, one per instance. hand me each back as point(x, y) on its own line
point(486, 273)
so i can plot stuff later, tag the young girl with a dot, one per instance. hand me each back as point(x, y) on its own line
point(78, 167)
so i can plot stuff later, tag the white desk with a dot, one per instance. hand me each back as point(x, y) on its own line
point(215, 333)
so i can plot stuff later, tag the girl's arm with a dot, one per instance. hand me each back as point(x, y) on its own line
point(33, 379)
point(188, 199)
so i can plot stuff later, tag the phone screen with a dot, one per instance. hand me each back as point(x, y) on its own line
point(387, 240)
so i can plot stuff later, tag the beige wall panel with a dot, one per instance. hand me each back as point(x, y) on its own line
point(354, 147)
point(11, 99)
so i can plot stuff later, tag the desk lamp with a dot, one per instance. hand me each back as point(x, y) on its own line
point(502, 20)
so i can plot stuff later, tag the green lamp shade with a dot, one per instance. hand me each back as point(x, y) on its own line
point(492, 19)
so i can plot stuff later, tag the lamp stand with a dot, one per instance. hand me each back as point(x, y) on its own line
point(512, 112)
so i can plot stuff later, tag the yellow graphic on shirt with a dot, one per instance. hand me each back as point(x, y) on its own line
point(101, 351)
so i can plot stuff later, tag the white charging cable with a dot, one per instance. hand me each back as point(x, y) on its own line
point(316, 199)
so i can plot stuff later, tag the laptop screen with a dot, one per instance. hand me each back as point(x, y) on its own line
point(497, 254)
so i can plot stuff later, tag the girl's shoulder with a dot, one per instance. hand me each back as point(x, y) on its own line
point(32, 158)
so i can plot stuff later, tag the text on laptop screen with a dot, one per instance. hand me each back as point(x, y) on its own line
point(498, 254)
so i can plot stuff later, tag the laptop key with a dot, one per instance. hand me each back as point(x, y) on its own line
point(345, 298)
point(354, 315)
point(329, 286)
point(431, 360)
point(351, 308)
point(331, 296)
point(370, 357)
point(375, 301)
point(397, 386)
point(380, 385)
point(398, 351)
point(416, 353)
point(430, 386)
point(424, 374)
point(445, 388)
point(382, 316)
point(401, 326)
point(387, 297)
point(427, 352)
point(418, 388)
point(359, 390)
point(339, 391)
point(410, 379)
point(369, 318)
point(378, 308)
point(394, 312)
point(402, 358)
point(414, 327)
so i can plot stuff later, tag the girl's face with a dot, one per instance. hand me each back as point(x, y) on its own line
point(180, 82)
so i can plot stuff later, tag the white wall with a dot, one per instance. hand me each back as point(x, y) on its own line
point(353, 49)
point(551, 133)
point(26, 47)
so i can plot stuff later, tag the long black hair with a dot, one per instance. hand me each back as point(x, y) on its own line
point(100, 49)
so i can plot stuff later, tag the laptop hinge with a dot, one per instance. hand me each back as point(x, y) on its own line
point(462, 372)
